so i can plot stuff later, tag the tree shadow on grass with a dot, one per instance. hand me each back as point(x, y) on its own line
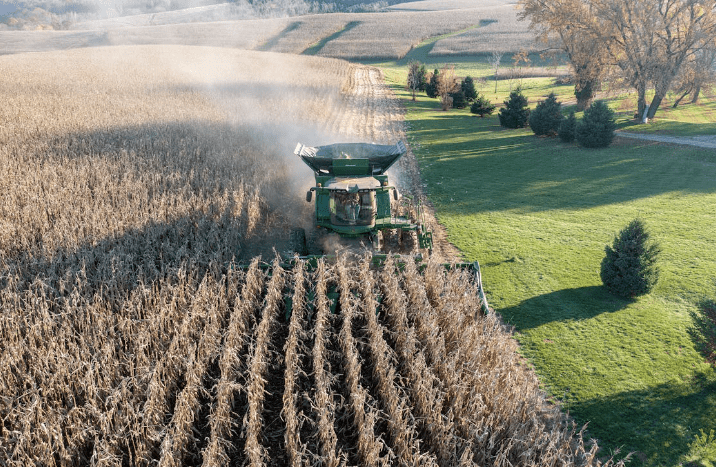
point(499, 169)
point(657, 423)
point(563, 305)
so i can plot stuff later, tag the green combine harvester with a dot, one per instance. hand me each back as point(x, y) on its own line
point(355, 199)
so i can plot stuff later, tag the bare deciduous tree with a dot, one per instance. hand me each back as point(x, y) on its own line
point(495, 62)
point(447, 84)
point(414, 77)
point(566, 25)
point(648, 40)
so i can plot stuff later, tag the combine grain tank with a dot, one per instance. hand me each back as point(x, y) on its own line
point(354, 197)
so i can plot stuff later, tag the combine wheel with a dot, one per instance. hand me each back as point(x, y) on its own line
point(314, 243)
point(408, 240)
point(298, 242)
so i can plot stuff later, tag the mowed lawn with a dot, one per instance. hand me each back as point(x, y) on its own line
point(537, 214)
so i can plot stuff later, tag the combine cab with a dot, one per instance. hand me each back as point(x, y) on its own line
point(354, 197)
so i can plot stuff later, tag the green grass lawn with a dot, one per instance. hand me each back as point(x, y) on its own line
point(537, 214)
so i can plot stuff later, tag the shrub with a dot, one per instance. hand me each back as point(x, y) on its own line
point(546, 117)
point(567, 128)
point(459, 101)
point(431, 89)
point(629, 267)
point(447, 86)
point(482, 106)
point(468, 88)
point(515, 113)
point(596, 129)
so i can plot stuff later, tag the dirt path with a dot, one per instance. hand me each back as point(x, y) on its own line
point(371, 113)
point(702, 141)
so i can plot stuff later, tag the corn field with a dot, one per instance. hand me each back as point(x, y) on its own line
point(138, 325)
point(337, 365)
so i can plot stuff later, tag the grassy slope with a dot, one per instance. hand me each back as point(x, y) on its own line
point(537, 214)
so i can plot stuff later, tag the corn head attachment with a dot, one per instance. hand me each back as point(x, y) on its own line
point(310, 263)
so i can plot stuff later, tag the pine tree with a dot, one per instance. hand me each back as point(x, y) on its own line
point(546, 117)
point(432, 87)
point(629, 267)
point(482, 106)
point(567, 128)
point(515, 113)
point(458, 99)
point(596, 129)
point(468, 89)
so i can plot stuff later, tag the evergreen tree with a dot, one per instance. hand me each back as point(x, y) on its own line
point(423, 78)
point(546, 117)
point(515, 113)
point(482, 106)
point(567, 128)
point(629, 267)
point(458, 99)
point(432, 87)
point(468, 89)
point(596, 129)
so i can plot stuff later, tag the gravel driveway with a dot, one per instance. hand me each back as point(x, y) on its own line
point(703, 141)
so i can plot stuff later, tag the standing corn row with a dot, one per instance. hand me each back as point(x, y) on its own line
point(258, 365)
point(369, 448)
point(402, 429)
point(324, 408)
point(180, 436)
point(221, 422)
point(426, 389)
point(293, 352)
point(168, 370)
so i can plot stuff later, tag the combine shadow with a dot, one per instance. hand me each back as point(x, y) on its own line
point(194, 159)
point(563, 305)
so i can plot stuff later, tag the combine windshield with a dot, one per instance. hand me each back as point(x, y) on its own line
point(352, 208)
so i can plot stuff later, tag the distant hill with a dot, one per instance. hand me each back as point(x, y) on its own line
point(86, 14)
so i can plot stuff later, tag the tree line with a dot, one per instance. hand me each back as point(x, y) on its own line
point(649, 45)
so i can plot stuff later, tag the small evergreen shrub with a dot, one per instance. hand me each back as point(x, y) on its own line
point(702, 450)
point(468, 88)
point(515, 113)
point(458, 100)
point(629, 267)
point(482, 106)
point(546, 117)
point(596, 129)
point(567, 128)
